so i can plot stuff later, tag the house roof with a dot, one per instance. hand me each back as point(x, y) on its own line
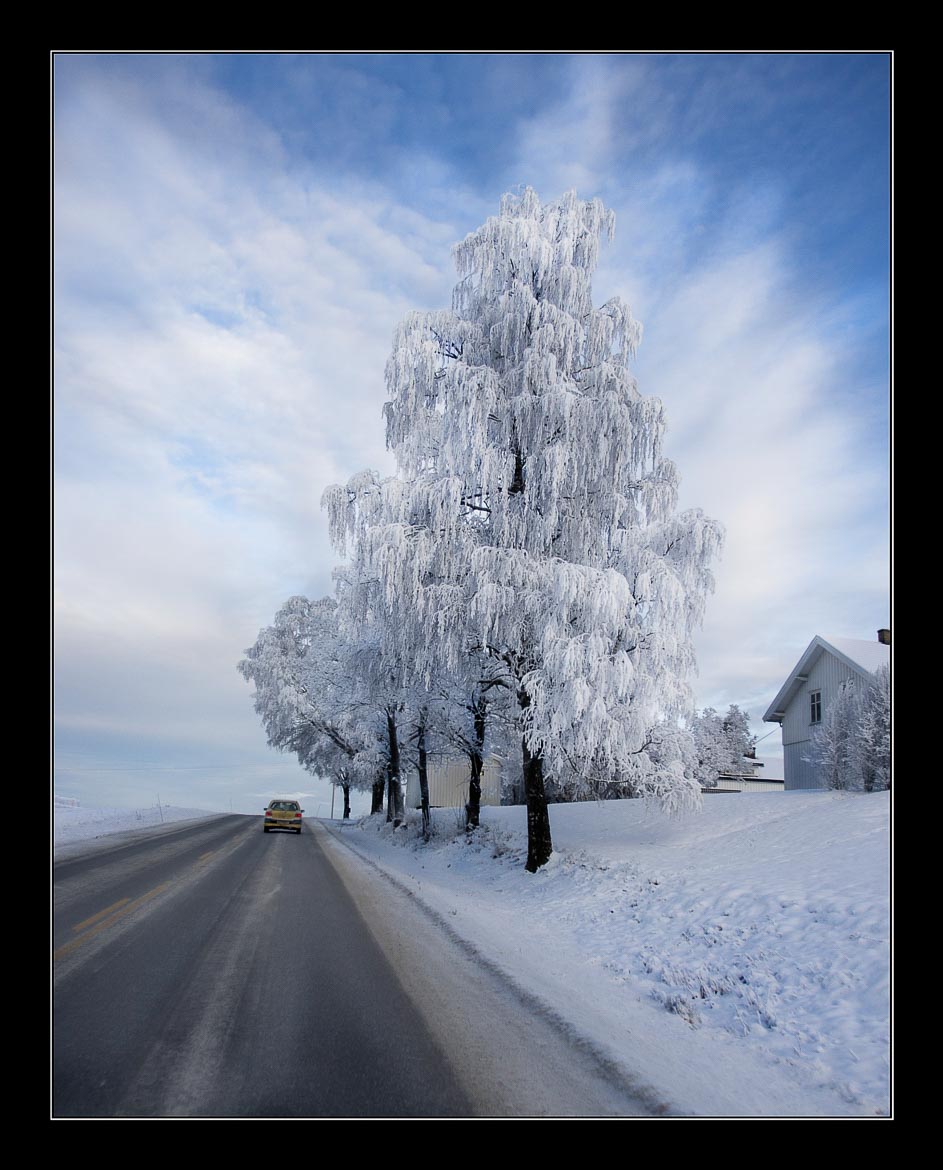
point(860, 656)
point(869, 656)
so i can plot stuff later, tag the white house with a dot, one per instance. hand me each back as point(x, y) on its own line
point(809, 690)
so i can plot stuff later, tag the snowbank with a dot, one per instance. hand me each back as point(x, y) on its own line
point(740, 953)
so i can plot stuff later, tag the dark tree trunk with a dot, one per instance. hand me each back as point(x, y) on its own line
point(539, 843)
point(476, 758)
point(394, 799)
point(346, 788)
point(473, 807)
point(376, 796)
point(423, 777)
point(517, 484)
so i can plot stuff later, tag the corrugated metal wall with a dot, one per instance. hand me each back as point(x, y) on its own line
point(448, 784)
point(748, 785)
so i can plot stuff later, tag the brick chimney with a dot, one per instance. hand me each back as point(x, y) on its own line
point(884, 637)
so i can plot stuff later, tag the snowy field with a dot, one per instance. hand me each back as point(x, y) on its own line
point(736, 960)
point(72, 822)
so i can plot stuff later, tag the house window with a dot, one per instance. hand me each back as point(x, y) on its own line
point(815, 699)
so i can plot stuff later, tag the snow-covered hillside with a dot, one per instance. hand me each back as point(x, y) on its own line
point(737, 958)
point(72, 822)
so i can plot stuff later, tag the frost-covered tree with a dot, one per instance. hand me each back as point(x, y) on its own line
point(720, 743)
point(852, 747)
point(874, 732)
point(435, 705)
point(834, 747)
point(533, 520)
point(301, 668)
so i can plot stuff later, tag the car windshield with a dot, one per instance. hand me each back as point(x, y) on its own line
point(284, 805)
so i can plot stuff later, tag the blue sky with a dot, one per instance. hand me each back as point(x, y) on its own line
point(236, 238)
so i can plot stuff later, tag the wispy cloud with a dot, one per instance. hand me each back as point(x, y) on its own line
point(226, 298)
point(221, 338)
point(757, 357)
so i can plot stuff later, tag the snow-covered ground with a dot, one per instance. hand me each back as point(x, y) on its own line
point(736, 960)
point(72, 822)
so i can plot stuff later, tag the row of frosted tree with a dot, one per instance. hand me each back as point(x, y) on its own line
point(524, 585)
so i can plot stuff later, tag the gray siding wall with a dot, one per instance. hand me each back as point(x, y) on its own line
point(799, 773)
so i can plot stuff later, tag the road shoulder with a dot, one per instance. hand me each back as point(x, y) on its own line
point(514, 1056)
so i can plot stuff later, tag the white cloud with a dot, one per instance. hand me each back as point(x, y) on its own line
point(221, 339)
point(752, 366)
point(224, 315)
point(575, 140)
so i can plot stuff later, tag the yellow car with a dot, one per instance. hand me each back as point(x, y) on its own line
point(283, 813)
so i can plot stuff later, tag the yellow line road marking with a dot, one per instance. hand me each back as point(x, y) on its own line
point(101, 914)
point(69, 947)
point(205, 856)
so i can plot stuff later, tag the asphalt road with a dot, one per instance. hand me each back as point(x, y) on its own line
point(216, 971)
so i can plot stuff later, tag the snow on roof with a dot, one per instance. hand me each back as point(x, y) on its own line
point(868, 655)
